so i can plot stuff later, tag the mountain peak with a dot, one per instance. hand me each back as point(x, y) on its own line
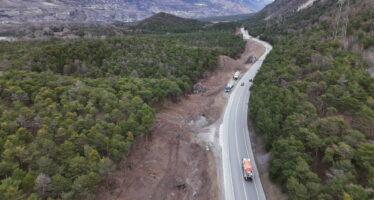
point(165, 22)
point(164, 15)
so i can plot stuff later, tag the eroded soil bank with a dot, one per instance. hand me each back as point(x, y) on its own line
point(172, 162)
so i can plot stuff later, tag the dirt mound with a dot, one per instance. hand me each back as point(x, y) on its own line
point(172, 163)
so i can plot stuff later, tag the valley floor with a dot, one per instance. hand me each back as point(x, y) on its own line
point(172, 162)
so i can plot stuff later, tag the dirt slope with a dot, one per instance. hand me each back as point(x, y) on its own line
point(172, 163)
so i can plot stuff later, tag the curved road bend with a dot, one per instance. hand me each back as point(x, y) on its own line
point(235, 140)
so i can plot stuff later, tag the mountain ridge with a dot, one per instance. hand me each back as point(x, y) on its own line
point(63, 11)
point(164, 22)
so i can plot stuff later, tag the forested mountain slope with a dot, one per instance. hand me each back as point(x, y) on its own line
point(313, 99)
point(163, 22)
point(70, 109)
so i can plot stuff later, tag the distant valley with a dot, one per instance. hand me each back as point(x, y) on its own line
point(69, 11)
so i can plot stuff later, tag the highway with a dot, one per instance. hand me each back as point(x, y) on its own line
point(235, 141)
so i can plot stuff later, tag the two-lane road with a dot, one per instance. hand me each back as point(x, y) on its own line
point(235, 140)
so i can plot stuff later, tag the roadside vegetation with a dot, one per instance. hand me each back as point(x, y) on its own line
point(71, 109)
point(313, 103)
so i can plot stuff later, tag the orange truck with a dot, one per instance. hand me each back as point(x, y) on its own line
point(247, 169)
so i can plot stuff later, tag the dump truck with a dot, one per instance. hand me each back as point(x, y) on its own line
point(229, 85)
point(247, 169)
point(236, 75)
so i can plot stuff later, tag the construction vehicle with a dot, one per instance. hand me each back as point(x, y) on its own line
point(247, 169)
point(236, 75)
point(229, 85)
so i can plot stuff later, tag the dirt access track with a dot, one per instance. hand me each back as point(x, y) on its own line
point(173, 162)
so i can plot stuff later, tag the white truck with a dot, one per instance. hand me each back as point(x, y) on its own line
point(236, 75)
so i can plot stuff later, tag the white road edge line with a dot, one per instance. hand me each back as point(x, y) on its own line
point(245, 131)
point(243, 117)
point(226, 165)
point(237, 149)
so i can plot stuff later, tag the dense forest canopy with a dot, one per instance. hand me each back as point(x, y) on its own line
point(313, 102)
point(70, 109)
point(167, 23)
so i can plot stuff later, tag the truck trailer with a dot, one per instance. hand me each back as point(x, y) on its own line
point(247, 169)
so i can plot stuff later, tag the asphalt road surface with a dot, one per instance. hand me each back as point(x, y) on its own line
point(235, 140)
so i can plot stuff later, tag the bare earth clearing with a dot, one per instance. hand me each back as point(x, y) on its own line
point(172, 162)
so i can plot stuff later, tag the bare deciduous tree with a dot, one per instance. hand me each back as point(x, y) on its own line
point(43, 185)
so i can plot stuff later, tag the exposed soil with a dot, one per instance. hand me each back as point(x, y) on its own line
point(172, 162)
